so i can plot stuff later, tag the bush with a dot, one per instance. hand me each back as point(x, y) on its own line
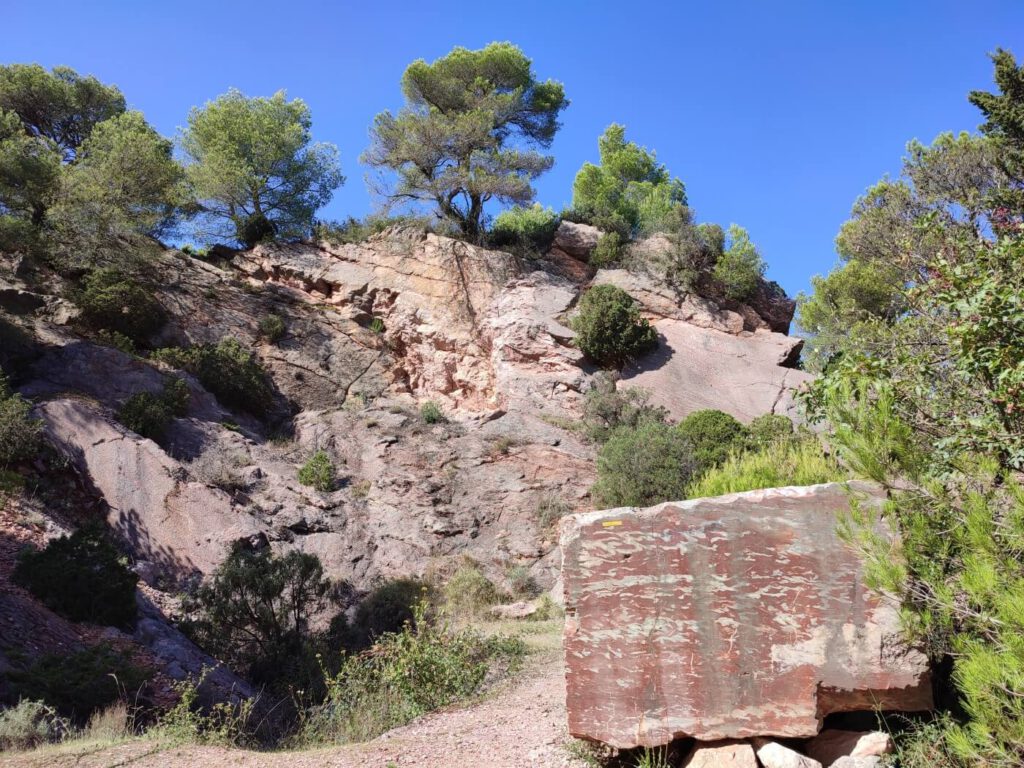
point(431, 412)
point(646, 465)
point(29, 724)
point(387, 609)
point(469, 593)
point(187, 722)
point(228, 370)
point(769, 429)
point(714, 435)
point(114, 301)
point(353, 230)
point(149, 415)
point(82, 577)
point(272, 328)
point(609, 328)
point(377, 325)
point(521, 582)
point(533, 227)
point(608, 250)
point(606, 408)
point(551, 509)
point(421, 668)
point(319, 472)
point(20, 434)
point(801, 462)
point(740, 268)
point(78, 684)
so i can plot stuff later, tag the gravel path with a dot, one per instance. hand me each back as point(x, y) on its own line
point(520, 725)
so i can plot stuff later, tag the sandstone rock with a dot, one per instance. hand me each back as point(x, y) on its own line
point(577, 240)
point(520, 610)
point(771, 754)
point(831, 744)
point(857, 762)
point(721, 754)
point(737, 616)
point(694, 368)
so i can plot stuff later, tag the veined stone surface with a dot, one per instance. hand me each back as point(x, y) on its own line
point(730, 617)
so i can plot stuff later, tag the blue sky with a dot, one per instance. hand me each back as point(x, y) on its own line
point(777, 115)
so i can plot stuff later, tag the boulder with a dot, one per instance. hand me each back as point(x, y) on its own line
point(771, 754)
point(857, 762)
point(721, 754)
point(520, 610)
point(737, 616)
point(577, 240)
point(832, 743)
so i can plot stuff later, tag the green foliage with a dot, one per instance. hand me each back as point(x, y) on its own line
point(387, 609)
point(643, 466)
point(532, 227)
point(469, 593)
point(78, 684)
point(609, 328)
point(114, 301)
point(431, 412)
point(521, 582)
point(740, 268)
point(30, 170)
point(228, 370)
point(29, 724)
point(272, 328)
point(82, 577)
point(377, 325)
point(188, 722)
point(629, 191)
point(798, 462)
point(255, 168)
point(769, 429)
point(254, 612)
point(550, 510)
point(608, 250)
point(421, 668)
point(467, 132)
point(713, 436)
point(149, 415)
point(20, 434)
point(319, 472)
point(606, 408)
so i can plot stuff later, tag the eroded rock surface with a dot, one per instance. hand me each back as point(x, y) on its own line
point(736, 616)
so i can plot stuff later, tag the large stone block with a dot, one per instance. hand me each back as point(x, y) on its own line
point(737, 616)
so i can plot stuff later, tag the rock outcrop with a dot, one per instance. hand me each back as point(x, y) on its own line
point(737, 616)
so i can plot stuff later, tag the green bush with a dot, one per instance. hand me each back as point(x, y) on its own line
point(377, 325)
point(113, 301)
point(272, 328)
point(421, 668)
point(387, 609)
point(740, 268)
point(646, 465)
point(469, 593)
point(713, 435)
point(149, 415)
point(532, 227)
point(769, 429)
point(803, 462)
point(608, 250)
point(188, 722)
point(20, 434)
point(319, 472)
point(228, 370)
point(82, 577)
point(609, 328)
point(29, 724)
point(431, 412)
point(606, 408)
point(79, 684)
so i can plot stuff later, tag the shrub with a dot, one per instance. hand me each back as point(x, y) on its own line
point(740, 268)
point(29, 724)
point(20, 434)
point(79, 684)
point(228, 370)
point(713, 435)
point(469, 593)
point(431, 412)
point(532, 227)
point(421, 668)
point(187, 722)
point(551, 509)
point(646, 465)
point(319, 472)
point(801, 462)
point(521, 581)
point(608, 250)
point(387, 609)
point(272, 328)
point(609, 328)
point(769, 429)
point(606, 408)
point(149, 415)
point(377, 325)
point(112, 300)
point(82, 577)
point(353, 230)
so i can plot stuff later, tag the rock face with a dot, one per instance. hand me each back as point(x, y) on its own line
point(742, 615)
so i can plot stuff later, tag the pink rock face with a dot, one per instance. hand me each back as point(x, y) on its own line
point(742, 615)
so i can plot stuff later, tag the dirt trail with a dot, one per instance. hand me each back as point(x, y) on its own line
point(520, 725)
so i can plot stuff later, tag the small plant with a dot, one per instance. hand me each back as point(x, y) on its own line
point(521, 582)
point(387, 609)
point(111, 300)
point(431, 412)
point(319, 472)
point(272, 328)
point(469, 593)
point(713, 436)
point(117, 340)
point(20, 434)
point(551, 509)
point(609, 328)
point(82, 577)
point(502, 445)
point(608, 250)
point(29, 724)
point(362, 489)
point(149, 415)
point(377, 325)
point(225, 724)
point(533, 227)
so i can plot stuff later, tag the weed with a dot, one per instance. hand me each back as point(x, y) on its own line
point(319, 472)
point(431, 412)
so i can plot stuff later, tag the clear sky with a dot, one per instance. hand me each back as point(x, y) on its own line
point(777, 115)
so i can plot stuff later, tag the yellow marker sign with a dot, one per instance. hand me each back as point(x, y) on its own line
point(611, 523)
